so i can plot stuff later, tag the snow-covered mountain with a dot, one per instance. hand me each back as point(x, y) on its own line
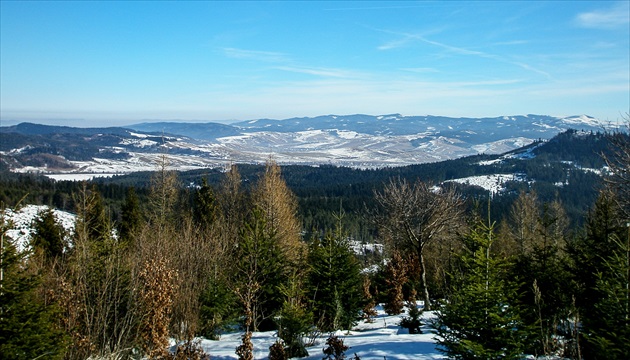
point(351, 140)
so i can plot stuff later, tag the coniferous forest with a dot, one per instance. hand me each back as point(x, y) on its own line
point(540, 269)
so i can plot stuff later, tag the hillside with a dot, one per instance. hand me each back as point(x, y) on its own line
point(359, 141)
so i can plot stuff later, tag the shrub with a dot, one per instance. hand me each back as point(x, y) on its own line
point(336, 348)
point(412, 322)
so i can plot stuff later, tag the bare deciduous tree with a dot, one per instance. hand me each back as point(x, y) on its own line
point(524, 218)
point(411, 216)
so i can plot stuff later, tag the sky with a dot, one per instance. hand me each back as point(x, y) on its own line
point(120, 62)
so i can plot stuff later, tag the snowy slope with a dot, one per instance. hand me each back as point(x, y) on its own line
point(22, 221)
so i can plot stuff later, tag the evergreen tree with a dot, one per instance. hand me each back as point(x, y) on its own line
point(480, 319)
point(260, 271)
point(217, 309)
point(93, 221)
point(204, 206)
point(334, 283)
point(28, 326)
point(545, 282)
point(131, 218)
point(609, 336)
point(48, 236)
point(600, 271)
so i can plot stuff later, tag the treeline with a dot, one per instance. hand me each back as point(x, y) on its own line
point(179, 264)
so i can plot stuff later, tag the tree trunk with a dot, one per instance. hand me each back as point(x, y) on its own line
point(423, 277)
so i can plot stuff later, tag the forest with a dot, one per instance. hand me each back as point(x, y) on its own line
point(541, 270)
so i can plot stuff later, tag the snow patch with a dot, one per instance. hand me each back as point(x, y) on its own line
point(22, 221)
point(494, 183)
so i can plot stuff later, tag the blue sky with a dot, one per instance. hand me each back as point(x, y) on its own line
point(94, 63)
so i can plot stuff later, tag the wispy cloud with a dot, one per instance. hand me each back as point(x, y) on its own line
point(610, 18)
point(421, 70)
point(407, 37)
point(266, 56)
point(509, 43)
point(285, 62)
point(325, 72)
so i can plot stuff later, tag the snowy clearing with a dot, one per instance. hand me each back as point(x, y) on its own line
point(494, 183)
point(379, 340)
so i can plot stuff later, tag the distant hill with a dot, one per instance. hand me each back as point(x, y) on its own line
point(360, 141)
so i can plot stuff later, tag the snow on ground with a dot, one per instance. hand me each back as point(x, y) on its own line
point(77, 177)
point(22, 220)
point(493, 183)
point(360, 248)
point(379, 340)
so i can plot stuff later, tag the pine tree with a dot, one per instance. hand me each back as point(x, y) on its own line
point(334, 283)
point(48, 236)
point(260, 270)
point(28, 326)
point(480, 320)
point(609, 336)
point(600, 272)
point(131, 217)
point(545, 282)
point(204, 206)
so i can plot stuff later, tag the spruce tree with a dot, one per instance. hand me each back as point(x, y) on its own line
point(48, 236)
point(204, 206)
point(609, 336)
point(131, 218)
point(260, 271)
point(335, 283)
point(28, 326)
point(480, 319)
point(600, 273)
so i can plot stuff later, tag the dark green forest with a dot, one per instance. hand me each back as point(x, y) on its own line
point(541, 268)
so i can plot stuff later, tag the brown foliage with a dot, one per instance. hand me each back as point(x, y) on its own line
point(336, 348)
point(245, 351)
point(368, 309)
point(276, 351)
point(395, 278)
point(279, 206)
point(156, 297)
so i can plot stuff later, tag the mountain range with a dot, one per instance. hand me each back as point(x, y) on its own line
point(362, 141)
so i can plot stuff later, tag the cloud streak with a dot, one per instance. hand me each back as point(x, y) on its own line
point(614, 17)
point(266, 56)
point(407, 37)
point(325, 72)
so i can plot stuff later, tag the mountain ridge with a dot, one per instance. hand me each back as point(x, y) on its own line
point(358, 140)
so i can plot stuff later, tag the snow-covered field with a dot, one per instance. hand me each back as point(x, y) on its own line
point(23, 223)
point(494, 183)
point(77, 176)
point(382, 339)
